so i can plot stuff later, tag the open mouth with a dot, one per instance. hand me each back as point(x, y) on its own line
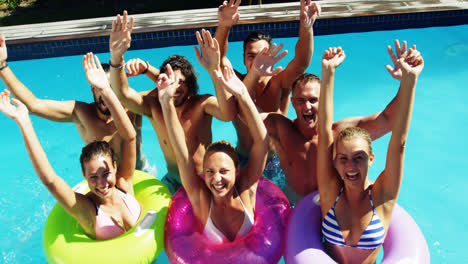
point(352, 176)
point(309, 117)
point(219, 187)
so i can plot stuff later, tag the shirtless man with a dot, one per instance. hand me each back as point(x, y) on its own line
point(92, 120)
point(296, 140)
point(194, 111)
point(270, 93)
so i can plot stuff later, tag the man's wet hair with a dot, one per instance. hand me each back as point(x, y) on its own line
point(105, 67)
point(256, 36)
point(179, 62)
point(96, 149)
point(305, 78)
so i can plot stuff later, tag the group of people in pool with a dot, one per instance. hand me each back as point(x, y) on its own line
point(314, 152)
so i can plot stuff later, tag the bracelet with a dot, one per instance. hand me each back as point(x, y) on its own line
point(4, 66)
point(116, 67)
point(147, 67)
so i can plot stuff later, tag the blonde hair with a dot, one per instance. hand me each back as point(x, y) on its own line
point(354, 132)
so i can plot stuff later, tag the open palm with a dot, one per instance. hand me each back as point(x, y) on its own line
point(18, 112)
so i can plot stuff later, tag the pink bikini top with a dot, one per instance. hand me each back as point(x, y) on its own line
point(106, 228)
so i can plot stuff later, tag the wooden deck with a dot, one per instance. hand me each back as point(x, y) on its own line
point(168, 21)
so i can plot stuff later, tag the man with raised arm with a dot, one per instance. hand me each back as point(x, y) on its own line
point(270, 92)
point(194, 111)
point(92, 120)
point(296, 140)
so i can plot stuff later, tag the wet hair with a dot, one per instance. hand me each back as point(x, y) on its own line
point(256, 36)
point(223, 146)
point(105, 67)
point(179, 62)
point(355, 132)
point(96, 149)
point(305, 78)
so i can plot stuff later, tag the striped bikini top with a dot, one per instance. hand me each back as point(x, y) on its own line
point(371, 238)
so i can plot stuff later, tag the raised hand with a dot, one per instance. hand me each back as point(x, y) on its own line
point(136, 67)
point(167, 85)
point(18, 112)
point(209, 54)
point(120, 36)
point(265, 60)
point(227, 13)
point(3, 50)
point(412, 63)
point(399, 51)
point(94, 73)
point(309, 12)
point(231, 82)
point(332, 58)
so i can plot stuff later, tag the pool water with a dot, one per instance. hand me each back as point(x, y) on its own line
point(433, 185)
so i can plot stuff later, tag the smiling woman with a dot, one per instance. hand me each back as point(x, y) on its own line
point(98, 163)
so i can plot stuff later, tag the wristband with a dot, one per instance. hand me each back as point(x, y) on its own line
point(147, 67)
point(4, 66)
point(116, 67)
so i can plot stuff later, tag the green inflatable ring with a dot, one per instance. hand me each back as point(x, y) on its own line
point(65, 242)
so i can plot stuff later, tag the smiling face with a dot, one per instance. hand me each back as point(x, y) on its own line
point(251, 50)
point(99, 172)
point(352, 160)
point(304, 99)
point(220, 173)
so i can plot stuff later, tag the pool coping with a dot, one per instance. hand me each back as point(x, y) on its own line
point(155, 30)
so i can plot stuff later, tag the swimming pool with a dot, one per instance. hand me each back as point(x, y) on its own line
point(432, 188)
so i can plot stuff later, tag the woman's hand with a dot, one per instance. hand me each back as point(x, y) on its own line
point(332, 58)
point(411, 64)
point(167, 85)
point(94, 73)
point(18, 113)
point(231, 82)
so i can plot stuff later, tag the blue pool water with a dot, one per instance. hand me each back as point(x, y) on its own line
point(433, 185)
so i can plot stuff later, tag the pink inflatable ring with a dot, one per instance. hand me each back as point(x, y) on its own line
point(404, 242)
point(184, 241)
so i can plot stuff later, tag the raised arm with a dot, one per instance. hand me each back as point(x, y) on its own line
point(192, 183)
point(224, 108)
point(97, 78)
point(389, 182)
point(304, 47)
point(380, 123)
point(119, 42)
point(60, 111)
point(259, 150)
point(263, 65)
point(327, 179)
point(228, 17)
point(75, 204)
point(137, 66)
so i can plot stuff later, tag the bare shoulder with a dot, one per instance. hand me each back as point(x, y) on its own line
point(277, 121)
point(203, 99)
